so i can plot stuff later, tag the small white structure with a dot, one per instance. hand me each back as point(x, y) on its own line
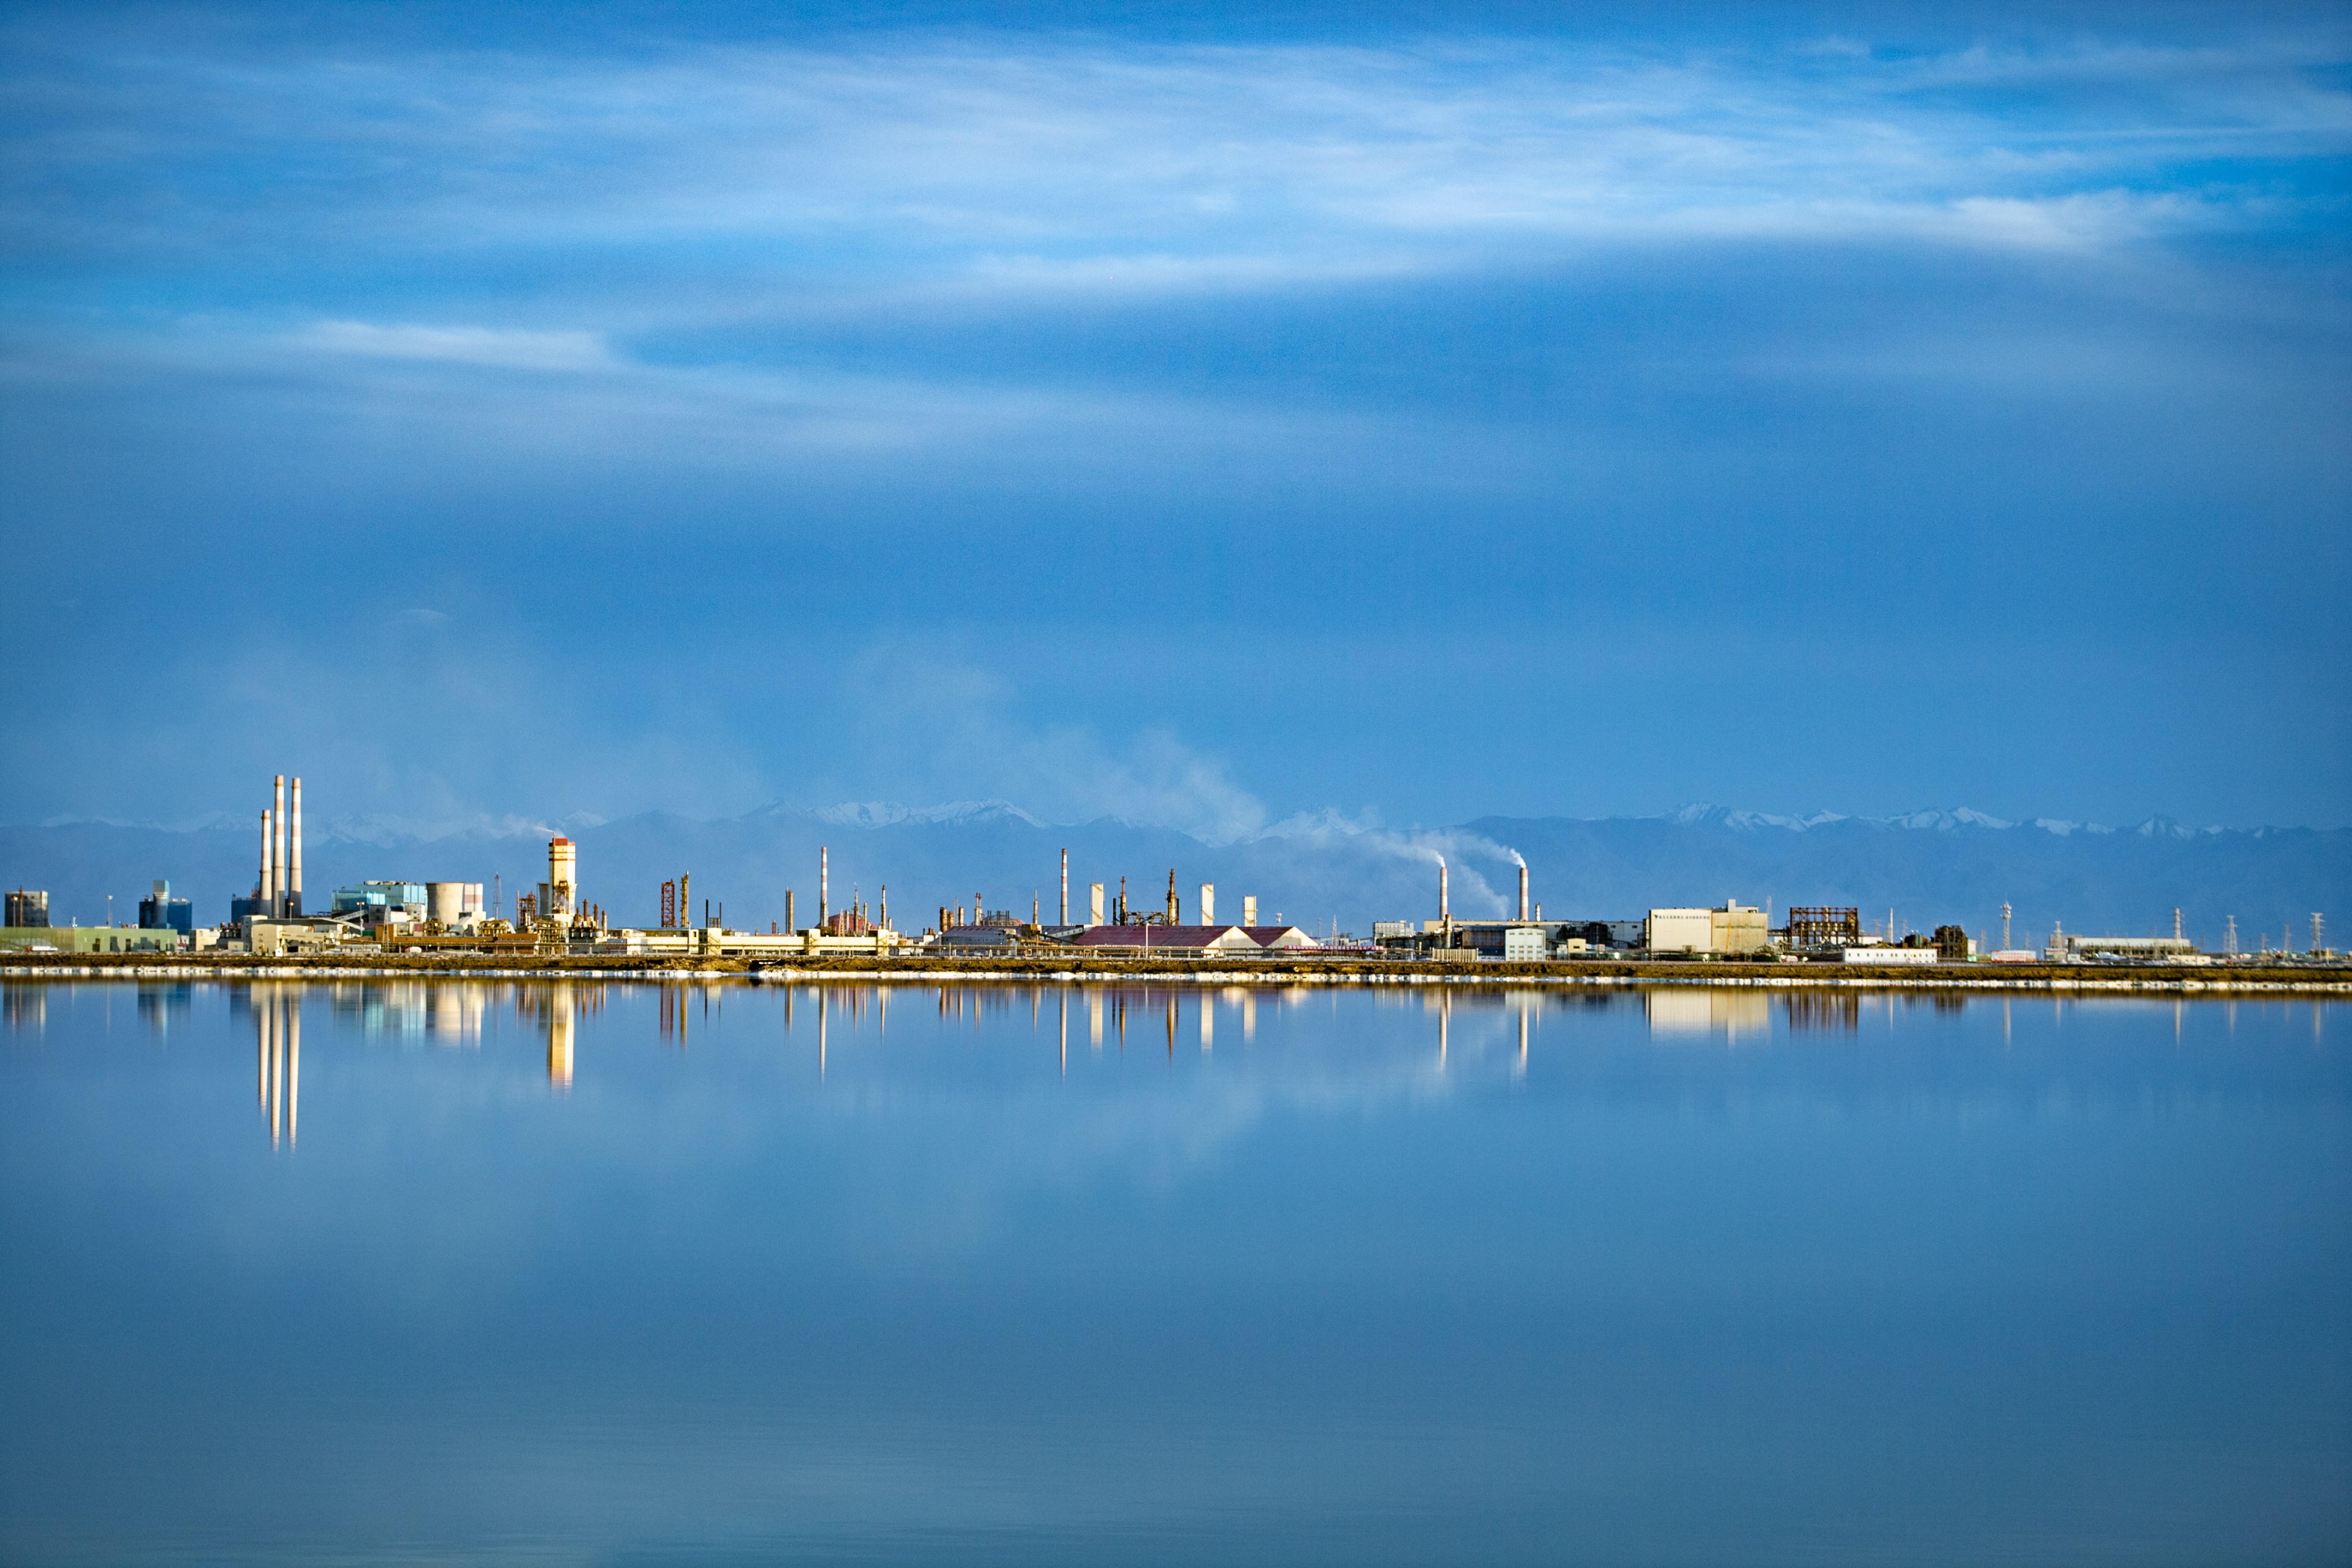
point(1524, 943)
point(1887, 956)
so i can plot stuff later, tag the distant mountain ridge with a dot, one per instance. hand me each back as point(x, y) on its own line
point(1314, 868)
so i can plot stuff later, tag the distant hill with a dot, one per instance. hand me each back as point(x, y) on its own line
point(1930, 867)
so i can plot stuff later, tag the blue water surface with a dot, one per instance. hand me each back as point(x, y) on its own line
point(454, 1271)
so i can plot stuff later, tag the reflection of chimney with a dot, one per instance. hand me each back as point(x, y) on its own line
point(294, 860)
point(277, 1069)
point(558, 1038)
point(293, 1065)
point(1523, 890)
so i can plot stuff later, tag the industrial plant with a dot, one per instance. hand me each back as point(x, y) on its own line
point(556, 916)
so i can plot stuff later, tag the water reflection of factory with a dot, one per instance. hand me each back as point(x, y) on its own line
point(455, 1013)
point(444, 1013)
point(556, 1011)
point(278, 1047)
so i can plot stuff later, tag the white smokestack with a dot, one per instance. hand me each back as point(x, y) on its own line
point(265, 886)
point(1523, 890)
point(823, 883)
point(278, 845)
point(1249, 910)
point(294, 862)
point(1065, 887)
point(1445, 911)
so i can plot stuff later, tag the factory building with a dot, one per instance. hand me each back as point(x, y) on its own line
point(89, 939)
point(1203, 940)
point(28, 908)
point(1729, 930)
point(374, 904)
point(2156, 947)
point(717, 942)
point(1823, 925)
point(1118, 914)
point(1527, 938)
point(160, 911)
point(1519, 941)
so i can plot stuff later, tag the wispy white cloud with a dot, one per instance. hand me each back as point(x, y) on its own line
point(1096, 165)
point(485, 346)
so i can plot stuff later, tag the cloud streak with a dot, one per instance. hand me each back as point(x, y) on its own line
point(1002, 162)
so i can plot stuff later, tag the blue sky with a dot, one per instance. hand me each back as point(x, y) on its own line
point(1143, 411)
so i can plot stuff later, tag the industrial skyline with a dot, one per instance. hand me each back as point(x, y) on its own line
point(559, 917)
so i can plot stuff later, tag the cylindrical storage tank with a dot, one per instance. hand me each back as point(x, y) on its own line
point(445, 901)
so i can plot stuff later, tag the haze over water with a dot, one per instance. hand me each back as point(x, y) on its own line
point(635, 1273)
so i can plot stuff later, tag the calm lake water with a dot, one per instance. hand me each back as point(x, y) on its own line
point(625, 1274)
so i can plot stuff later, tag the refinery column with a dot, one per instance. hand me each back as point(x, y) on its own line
point(563, 879)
